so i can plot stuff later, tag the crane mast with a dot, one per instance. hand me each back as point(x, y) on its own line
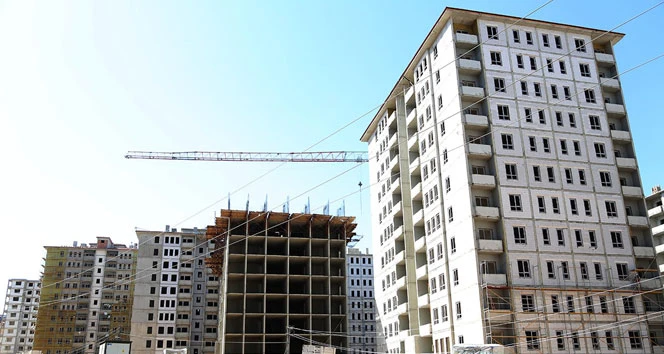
point(320, 156)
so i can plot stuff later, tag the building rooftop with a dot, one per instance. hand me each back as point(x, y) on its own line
point(463, 16)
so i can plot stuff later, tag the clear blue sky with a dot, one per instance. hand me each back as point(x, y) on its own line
point(82, 82)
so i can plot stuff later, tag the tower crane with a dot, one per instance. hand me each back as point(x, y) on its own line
point(320, 156)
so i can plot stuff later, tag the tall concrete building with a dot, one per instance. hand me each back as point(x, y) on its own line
point(280, 270)
point(361, 305)
point(507, 201)
point(86, 296)
point(21, 305)
point(176, 297)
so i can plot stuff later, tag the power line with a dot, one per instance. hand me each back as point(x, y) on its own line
point(308, 148)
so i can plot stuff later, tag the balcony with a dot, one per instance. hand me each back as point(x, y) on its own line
point(657, 231)
point(418, 218)
point(396, 209)
point(658, 210)
point(626, 163)
point(477, 121)
point(469, 66)
point(411, 118)
point(632, 192)
point(423, 301)
point(500, 316)
point(483, 181)
point(615, 110)
point(394, 164)
point(491, 246)
point(400, 283)
point(399, 257)
point(420, 244)
point(398, 233)
point(415, 164)
point(605, 58)
point(409, 93)
point(413, 142)
point(610, 85)
point(472, 92)
point(494, 279)
point(487, 213)
point(621, 135)
point(393, 141)
point(425, 330)
point(391, 118)
point(466, 39)
point(479, 151)
point(416, 191)
point(644, 252)
point(637, 221)
point(422, 272)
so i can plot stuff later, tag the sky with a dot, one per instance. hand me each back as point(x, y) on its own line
point(83, 82)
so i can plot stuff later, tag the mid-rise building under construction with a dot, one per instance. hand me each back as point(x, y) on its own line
point(280, 274)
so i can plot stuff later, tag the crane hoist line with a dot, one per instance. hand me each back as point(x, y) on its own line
point(319, 156)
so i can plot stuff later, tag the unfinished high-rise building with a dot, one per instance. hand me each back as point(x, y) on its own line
point(280, 273)
point(86, 296)
point(176, 298)
point(506, 198)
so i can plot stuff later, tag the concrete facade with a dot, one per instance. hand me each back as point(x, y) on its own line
point(506, 197)
point(86, 296)
point(361, 311)
point(20, 313)
point(176, 297)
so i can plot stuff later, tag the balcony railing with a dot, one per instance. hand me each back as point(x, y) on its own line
point(632, 192)
point(489, 213)
point(469, 66)
point(466, 39)
point(610, 85)
point(483, 181)
point(491, 246)
point(477, 121)
point(472, 92)
point(644, 252)
point(657, 210)
point(605, 58)
point(494, 279)
point(479, 151)
point(626, 163)
point(637, 221)
point(615, 110)
point(621, 135)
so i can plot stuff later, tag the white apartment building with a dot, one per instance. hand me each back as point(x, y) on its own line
point(21, 305)
point(361, 311)
point(176, 297)
point(506, 197)
point(656, 214)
